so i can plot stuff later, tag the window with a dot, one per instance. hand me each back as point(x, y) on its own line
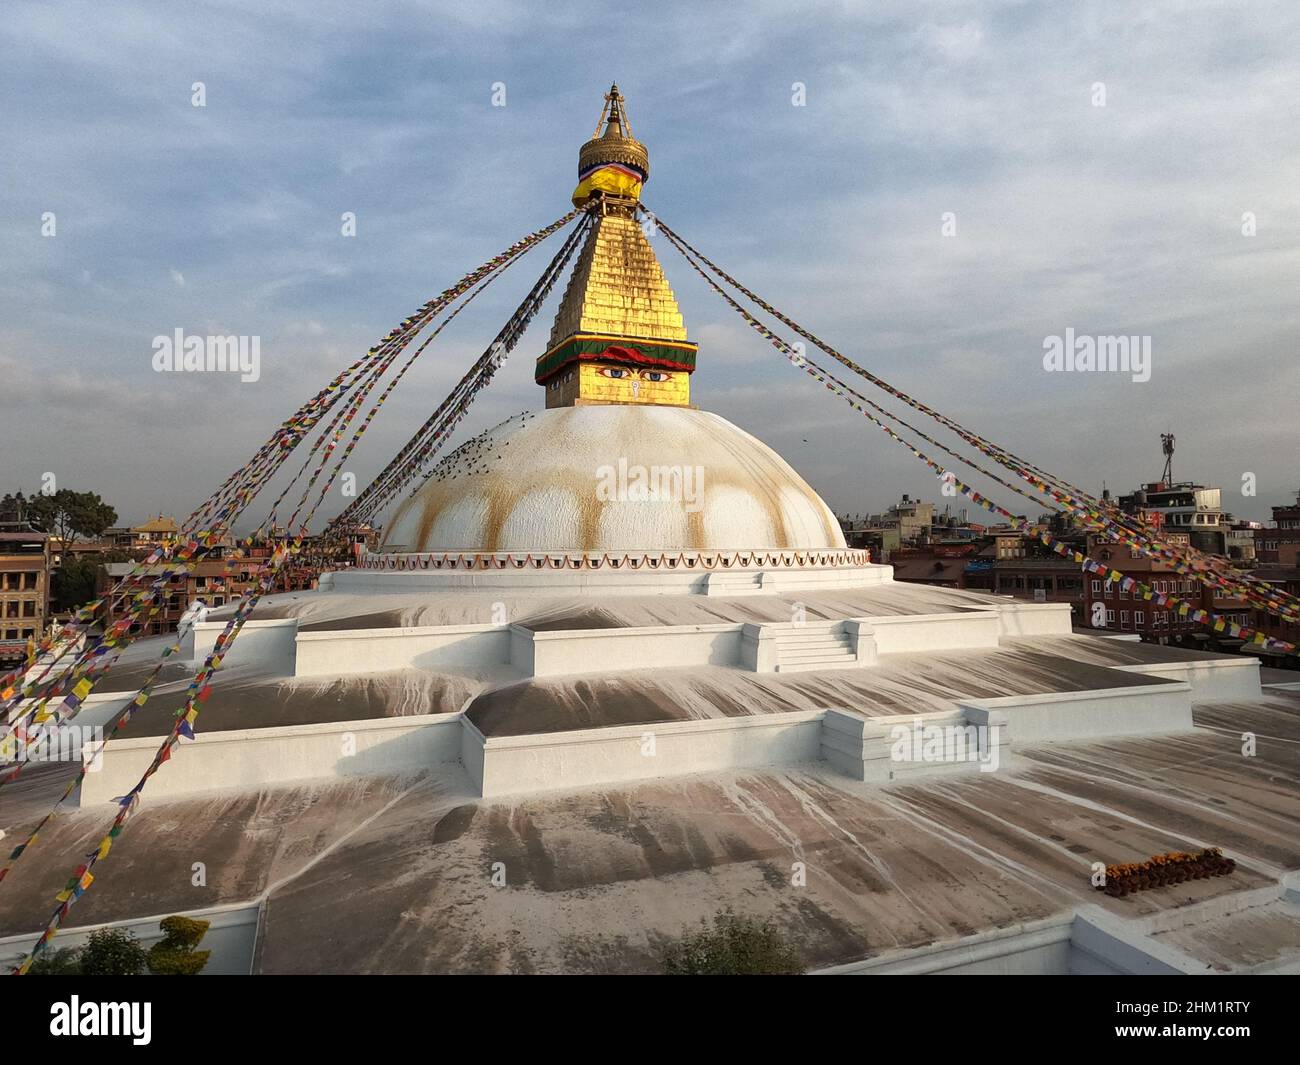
point(1123, 619)
point(1139, 619)
point(1096, 587)
point(1110, 615)
point(29, 608)
point(29, 582)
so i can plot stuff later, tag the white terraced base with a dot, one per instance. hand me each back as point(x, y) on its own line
point(667, 635)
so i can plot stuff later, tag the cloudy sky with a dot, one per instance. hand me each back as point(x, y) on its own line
point(1126, 218)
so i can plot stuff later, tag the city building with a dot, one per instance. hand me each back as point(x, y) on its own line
point(208, 580)
point(1242, 540)
point(1020, 566)
point(25, 571)
point(1184, 507)
point(149, 534)
point(941, 564)
point(1279, 544)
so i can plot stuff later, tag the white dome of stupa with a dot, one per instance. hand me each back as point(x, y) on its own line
point(613, 478)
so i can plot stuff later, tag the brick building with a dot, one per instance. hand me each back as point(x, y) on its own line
point(1279, 544)
point(1286, 577)
point(1128, 612)
point(207, 581)
point(25, 569)
point(1038, 578)
point(938, 564)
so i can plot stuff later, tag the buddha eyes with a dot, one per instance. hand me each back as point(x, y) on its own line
point(620, 373)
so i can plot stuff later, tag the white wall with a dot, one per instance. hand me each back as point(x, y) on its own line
point(603, 650)
point(1135, 711)
point(266, 644)
point(1035, 619)
point(1212, 680)
point(564, 760)
point(904, 633)
point(259, 758)
point(432, 647)
point(231, 938)
point(605, 581)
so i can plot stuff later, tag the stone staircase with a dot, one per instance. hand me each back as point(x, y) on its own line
point(739, 582)
point(803, 649)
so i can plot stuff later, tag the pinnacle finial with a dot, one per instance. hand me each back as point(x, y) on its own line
point(613, 115)
point(612, 163)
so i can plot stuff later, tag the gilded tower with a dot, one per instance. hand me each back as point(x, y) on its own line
point(618, 335)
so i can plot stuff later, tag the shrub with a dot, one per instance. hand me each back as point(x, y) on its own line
point(112, 952)
point(734, 946)
point(63, 962)
point(174, 954)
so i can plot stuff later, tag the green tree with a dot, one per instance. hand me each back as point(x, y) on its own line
point(14, 508)
point(73, 583)
point(174, 954)
point(734, 946)
point(112, 952)
point(68, 514)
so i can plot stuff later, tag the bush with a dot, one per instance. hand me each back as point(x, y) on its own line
point(63, 962)
point(112, 952)
point(174, 954)
point(734, 946)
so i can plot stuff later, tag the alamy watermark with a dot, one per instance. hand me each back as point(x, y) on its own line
point(55, 743)
point(1081, 353)
point(945, 744)
point(632, 483)
point(208, 354)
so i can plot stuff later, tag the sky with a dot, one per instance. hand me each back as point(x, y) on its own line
point(955, 184)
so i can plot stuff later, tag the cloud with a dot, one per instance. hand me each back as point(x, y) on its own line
point(1124, 218)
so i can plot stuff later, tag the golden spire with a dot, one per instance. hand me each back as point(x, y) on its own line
point(618, 335)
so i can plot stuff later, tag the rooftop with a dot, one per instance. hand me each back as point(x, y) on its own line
point(599, 880)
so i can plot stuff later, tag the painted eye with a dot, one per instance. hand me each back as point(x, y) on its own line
point(654, 375)
point(616, 372)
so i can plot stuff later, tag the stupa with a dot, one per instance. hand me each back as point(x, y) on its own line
point(619, 464)
point(613, 669)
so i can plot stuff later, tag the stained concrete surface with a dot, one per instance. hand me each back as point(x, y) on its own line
point(396, 875)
